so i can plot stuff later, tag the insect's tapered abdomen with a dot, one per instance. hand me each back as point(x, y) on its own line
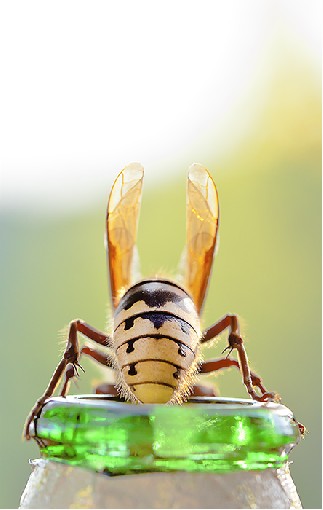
point(156, 337)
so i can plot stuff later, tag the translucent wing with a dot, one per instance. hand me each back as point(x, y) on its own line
point(202, 215)
point(121, 228)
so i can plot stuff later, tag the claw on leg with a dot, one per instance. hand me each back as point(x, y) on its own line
point(70, 372)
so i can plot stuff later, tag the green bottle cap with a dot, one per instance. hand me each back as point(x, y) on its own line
point(206, 434)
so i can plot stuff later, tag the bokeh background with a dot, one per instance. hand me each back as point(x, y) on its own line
point(88, 87)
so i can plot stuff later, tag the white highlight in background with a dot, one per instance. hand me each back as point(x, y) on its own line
point(88, 87)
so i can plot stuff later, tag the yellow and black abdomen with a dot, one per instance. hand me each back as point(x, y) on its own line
point(156, 341)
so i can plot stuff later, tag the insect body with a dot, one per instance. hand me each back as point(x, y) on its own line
point(156, 341)
point(155, 348)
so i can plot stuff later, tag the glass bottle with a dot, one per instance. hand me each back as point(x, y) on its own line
point(208, 453)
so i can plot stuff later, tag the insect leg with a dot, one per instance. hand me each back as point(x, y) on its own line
point(103, 388)
point(47, 393)
point(236, 342)
point(97, 355)
point(71, 370)
point(213, 365)
point(228, 321)
point(69, 363)
point(199, 390)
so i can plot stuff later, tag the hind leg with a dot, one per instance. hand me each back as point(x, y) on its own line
point(236, 342)
point(103, 388)
point(97, 356)
point(68, 365)
point(213, 365)
point(200, 390)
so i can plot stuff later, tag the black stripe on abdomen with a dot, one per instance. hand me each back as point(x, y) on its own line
point(181, 345)
point(151, 360)
point(154, 298)
point(153, 382)
point(158, 319)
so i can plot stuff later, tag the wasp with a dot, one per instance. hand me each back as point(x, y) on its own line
point(155, 348)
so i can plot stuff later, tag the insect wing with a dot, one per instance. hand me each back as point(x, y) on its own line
point(121, 228)
point(202, 215)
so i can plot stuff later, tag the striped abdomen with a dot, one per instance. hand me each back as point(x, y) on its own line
point(156, 339)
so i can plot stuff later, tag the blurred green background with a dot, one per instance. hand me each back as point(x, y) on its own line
point(267, 269)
